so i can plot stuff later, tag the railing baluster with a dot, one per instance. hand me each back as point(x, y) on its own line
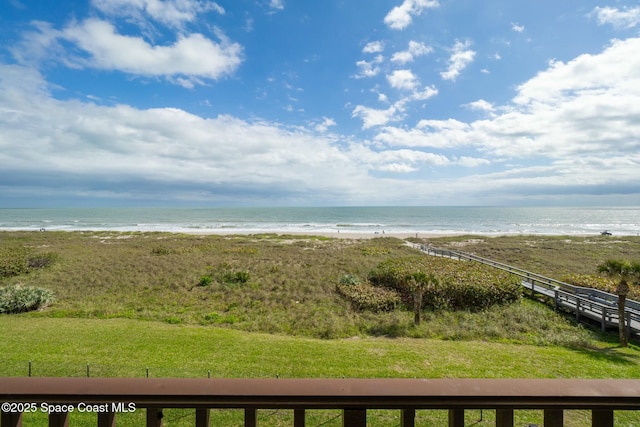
point(456, 417)
point(354, 418)
point(11, 419)
point(504, 418)
point(59, 419)
point(298, 418)
point(202, 417)
point(250, 417)
point(553, 418)
point(106, 419)
point(408, 418)
point(154, 417)
point(601, 418)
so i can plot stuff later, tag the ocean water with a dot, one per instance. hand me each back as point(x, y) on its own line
point(480, 220)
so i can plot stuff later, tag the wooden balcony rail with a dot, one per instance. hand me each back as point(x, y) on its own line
point(352, 396)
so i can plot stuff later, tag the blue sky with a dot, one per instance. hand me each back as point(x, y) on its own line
point(283, 102)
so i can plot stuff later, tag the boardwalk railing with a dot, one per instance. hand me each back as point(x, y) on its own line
point(354, 397)
point(584, 302)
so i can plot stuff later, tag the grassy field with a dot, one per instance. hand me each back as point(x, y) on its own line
point(130, 302)
point(289, 282)
point(126, 348)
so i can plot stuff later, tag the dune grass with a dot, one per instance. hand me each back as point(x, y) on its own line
point(128, 302)
point(284, 284)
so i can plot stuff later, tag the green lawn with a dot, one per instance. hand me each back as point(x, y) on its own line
point(121, 347)
point(126, 348)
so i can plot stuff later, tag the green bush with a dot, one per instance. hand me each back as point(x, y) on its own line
point(160, 250)
point(459, 285)
point(18, 299)
point(364, 296)
point(15, 261)
point(205, 281)
point(224, 275)
point(217, 318)
point(235, 277)
point(349, 279)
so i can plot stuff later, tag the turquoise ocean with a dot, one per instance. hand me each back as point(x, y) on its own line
point(479, 220)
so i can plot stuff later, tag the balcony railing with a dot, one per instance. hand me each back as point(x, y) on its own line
point(353, 396)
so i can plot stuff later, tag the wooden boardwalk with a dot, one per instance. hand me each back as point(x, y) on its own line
point(584, 303)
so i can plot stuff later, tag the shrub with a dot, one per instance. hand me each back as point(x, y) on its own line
point(349, 279)
point(459, 285)
point(41, 260)
point(14, 261)
point(160, 250)
point(205, 281)
point(364, 296)
point(235, 277)
point(18, 299)
point(224, 275)
point(19, 260)
point(218, 318)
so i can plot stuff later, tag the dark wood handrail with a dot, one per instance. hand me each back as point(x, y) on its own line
point(388, 393)
point(354, 396)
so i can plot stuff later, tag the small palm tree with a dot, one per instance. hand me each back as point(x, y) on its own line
point(418, 283)
point(625, 272)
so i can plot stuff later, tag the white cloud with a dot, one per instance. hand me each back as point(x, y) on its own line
point(572, 128)
point(584, 108)
point(400, 17)
point(517, 28)
point(626, 18)
point(398, 161)
point(277, 4)
point(426, 93)
point(375, 117)
point(372, 117)
point(427, 133)
point(415, 50)
point(403, 79)
point(187, 61)
point(461, 57)
point(472, 162)
point(480, 105)
point(324, 125)
point(397, 168)
point(373, 47)
point(369, 68)
point(169, 12)
point(164, 151)
point(617, 68)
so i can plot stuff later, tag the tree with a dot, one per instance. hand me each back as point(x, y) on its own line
point(418, 283)
point(625, 272)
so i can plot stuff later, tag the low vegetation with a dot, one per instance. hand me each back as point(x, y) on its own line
point(19, 299)
point(17, 260)
point(293, 285)
point(168, 305)
point(447, 284)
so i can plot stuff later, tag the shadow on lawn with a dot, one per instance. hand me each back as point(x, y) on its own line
point(612, 354)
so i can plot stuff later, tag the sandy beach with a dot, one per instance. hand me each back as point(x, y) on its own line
point(330, 234)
